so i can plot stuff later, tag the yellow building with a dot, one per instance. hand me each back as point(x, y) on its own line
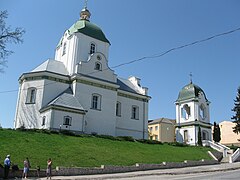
point(162, 129)
point(228, 137)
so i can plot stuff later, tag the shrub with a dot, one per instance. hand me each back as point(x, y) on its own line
point(107, 137)
point(177, 144)
point(148, 141)
point(126, 138)
point(67, 132)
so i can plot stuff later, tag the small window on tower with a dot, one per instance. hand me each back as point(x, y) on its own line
point(31, 95)
point(92, 48)
point(64, 48)
point(98, 66)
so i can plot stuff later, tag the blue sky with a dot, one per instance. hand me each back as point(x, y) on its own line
point(137, 28)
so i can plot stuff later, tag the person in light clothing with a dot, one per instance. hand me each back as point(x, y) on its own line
point(7, 164)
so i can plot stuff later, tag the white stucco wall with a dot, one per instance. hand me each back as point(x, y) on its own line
point(100, 121)
point(125, 125)
point(58, 119)
point(28, 115)
point(77, 49)
point(88, 68)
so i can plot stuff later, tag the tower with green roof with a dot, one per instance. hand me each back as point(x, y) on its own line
point(192, 112)
point(80, 42)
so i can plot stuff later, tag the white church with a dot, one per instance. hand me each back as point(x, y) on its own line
point(77, 91)
point(192, 115)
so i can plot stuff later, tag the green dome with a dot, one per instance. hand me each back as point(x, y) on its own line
point(190, 91)
point(89, 29)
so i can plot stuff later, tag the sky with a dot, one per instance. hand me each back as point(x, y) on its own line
point(137, 28)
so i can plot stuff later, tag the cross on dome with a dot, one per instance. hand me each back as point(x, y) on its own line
point(191, 75)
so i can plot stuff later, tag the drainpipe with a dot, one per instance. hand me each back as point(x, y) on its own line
point(144, 119)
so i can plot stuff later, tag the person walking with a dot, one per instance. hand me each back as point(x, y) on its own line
point(49, 168)
point(7, 164)
point(26, 166)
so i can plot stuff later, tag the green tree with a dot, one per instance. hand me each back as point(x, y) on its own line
point(216, 132)
point(236, 110)
point(199, 136)
point(7, 35)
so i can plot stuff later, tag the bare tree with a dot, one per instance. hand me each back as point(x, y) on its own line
point(7, 35)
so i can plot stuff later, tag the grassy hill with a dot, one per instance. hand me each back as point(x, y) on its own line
point(88, 151)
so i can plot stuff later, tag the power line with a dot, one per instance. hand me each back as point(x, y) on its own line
point(149, 57)
point(177, 48)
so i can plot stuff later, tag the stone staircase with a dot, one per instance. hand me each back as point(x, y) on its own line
point(228, 156)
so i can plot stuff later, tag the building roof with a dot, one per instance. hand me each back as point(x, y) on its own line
point(162, 120)
point(52, 66)
point(190, 91)
point(89, 29)
point(66, 100)
point(126, 85)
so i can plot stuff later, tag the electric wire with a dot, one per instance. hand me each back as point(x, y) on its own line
point(145, 57)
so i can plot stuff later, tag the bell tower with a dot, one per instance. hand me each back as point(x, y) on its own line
point(192, 115)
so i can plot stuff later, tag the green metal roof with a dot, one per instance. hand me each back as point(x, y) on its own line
point(190, 91)
point(89, 29)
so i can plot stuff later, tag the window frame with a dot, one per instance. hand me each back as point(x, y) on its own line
point(64, 48)
point(96, 101)
point(135, 112)
point(31, 95)
point(118, 109)
point(98, 66)
point(202, 111)
point(92, 48)
point(43, 120)
point(69, 122)
point(186, 111)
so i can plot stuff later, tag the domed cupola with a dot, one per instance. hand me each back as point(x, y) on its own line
point(84, 26)
point(190, 91)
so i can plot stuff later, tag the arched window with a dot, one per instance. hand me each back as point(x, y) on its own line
point(202, 111)
point(67, 120)
point(98, 66)
point(118, 109)
point(186, 111)
point(96, 101)
point(135, 112)
point(31, 95)
point(92, 48)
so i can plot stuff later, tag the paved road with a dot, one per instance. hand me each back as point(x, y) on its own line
point(223, 175)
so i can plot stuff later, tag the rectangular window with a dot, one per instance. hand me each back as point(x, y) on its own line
point(156, 128)
point(31, 95)
point(156, 137)
point(135, 112)
point(118, 109)
point(43, 120)
point(151, 129)
point(64, 48)
point(96, 101)
point(67, 120)
point(92, 48)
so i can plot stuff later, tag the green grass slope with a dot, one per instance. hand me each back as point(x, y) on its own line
point(70, 151)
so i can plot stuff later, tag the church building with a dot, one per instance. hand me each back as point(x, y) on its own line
point(192, 115)
point(77, 91)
